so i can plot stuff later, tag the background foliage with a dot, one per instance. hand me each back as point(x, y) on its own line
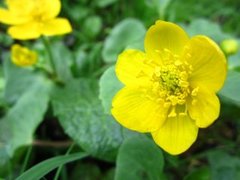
point(41, 117)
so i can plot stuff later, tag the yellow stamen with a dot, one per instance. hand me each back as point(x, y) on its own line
point(170, 82)
point(195, 91)
point(172, 112)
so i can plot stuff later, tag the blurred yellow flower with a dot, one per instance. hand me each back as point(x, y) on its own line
point(22, 56)
point(29, 19)
point(229, 46)
point(170, 89)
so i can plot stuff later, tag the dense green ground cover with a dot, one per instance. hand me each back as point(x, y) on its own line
point(44, 117)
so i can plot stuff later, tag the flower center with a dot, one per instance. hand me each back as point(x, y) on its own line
point(37, 18)
point(170, 84)
point(38, 11)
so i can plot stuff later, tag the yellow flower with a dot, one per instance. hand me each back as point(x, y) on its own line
point(22, 56)
point(29, 19)
point(170, 89)
point(229, 46)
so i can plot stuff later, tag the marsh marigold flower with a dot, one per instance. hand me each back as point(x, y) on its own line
point(29, 19)
point(170, 89)
point(22, 56)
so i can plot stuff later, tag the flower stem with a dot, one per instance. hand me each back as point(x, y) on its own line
point(60, 167)
point(29, 151)
point(46, 43)
point(52, 144)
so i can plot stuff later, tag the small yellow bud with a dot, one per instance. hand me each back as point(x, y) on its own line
point(22, 56)
point(229, 46)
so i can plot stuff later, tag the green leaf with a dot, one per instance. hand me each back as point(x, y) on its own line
point(20, 122)
point(87, 61)
point(62, 57)
point(233, 61)
point(109, 86)
point(139, 158)
point(5, 39)
point(76, 12)
point(160, 6)
point(231, 88)
point(92, 26)
point(104, 3)
point(208, 28)
point(80, 113)
point(63, 60)
point(142, 10)
point(40, 170)
point(224, 166)
point(202, 173)
point(127, 33)
point(18, 80)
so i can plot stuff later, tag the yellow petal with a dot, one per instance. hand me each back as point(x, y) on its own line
point(21, 7)
point(45, 9)
point(25, 31)
point(176, 135)
point(165, 36)
point(49, 8)
point(8, 17)
point(133, 110)
point(56, 26)
point(206, 108)
point(131, 68)
point(208, 62)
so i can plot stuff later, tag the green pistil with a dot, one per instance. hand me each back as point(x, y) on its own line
point(169, 81)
